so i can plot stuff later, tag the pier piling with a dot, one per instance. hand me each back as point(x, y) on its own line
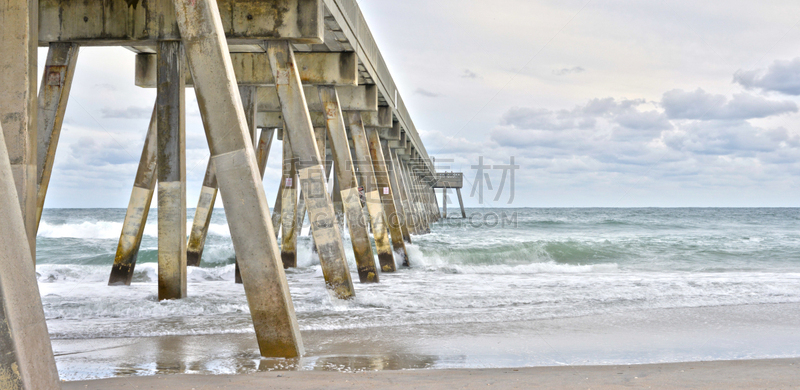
point(299, 130)
point(171, 125)
point(386, 195)
point(18, 105)
point(289, 205)
point(130, 239)
point(371, 192)
point(59, 70)
point(26, 356)
point(345, 177)
point(247, 211)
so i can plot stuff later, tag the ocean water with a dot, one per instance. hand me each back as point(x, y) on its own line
point(548, 276)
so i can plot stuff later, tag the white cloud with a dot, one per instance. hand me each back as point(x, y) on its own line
point(781, 76)
point(699, 104)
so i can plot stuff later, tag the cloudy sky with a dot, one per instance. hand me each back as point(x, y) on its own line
point(616, 103)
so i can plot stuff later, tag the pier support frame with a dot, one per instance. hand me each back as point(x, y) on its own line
point(444, 201)
point(18, 108)
point(371, 191)
point(26, 356)
point(387, 194)
point(345, 177)
point(300, 132)
point(461, 203)
point(171, 125)
point(408, 205)
point(59, 70)
point(144, 185)
point(289, 207)
point(397, 192)
point(247, 211)
point(202, 217)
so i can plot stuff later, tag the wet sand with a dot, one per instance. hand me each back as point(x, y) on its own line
point(740, 333)
point(738, 374)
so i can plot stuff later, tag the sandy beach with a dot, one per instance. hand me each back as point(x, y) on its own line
point(738, 374)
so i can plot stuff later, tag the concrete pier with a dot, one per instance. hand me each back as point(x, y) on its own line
point(277, 207)
point(371, 192)
point(461, 203)
point(26, 357)
point(446, 181)
point(289, 207)
point(397, 192)
point(345, 177)
point(386, 193)
point(254, 241)
point(171, 125)
point(202, 217)
point(59, 70)
point(257, 81)
point(299, 130)
point(444, 201)
point(18, 106)
point(130, 239)
point(408, 205)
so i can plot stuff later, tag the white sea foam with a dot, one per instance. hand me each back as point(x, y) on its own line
point(109, 229)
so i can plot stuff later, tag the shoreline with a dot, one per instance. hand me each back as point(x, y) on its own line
point(730, 374)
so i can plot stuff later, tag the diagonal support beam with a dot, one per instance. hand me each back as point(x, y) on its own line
point(59, 70)
point(18, 108)
point(373, 198)
point(387, 194)
point(247, 211)
point(397, 192)
point(289, 207)
point(347, 189)
point(26, 356)
point(138, 208)
point(311, 171)
point(410, 222)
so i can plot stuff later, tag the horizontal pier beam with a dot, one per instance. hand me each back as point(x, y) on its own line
point(253, 69)
point(359, 98)
point(142, 23)
point(274, 120)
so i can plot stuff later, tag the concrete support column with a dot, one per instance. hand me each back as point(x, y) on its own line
point(59, 70)
point(336, 194)
point(321, 134)
point(413, 191)
point(18, 47)
point(436, 202)
point(289, 207)
point(277, 208)
point(26, 356)
point(138, 208)
point(387, 194)
point(444, 201)
point(397, 192)
point(249, 96)
point(311, 171)
point(208, 192)
point(461, 203)
point(171, 124)
point(237, 173)
point(371, 192)
point(202, 217)
point(408, 201)
point(345, 177)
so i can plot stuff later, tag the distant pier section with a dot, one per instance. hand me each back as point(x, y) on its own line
point(448, 180)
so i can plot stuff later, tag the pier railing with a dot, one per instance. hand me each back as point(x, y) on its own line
point(353, 24)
